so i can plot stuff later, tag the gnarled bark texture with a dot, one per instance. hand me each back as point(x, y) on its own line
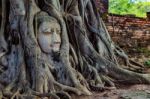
point(86, 61)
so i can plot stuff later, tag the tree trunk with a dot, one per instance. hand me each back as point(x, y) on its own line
point(85, 60)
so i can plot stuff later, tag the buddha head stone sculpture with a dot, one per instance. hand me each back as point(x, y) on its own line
point(48, 33)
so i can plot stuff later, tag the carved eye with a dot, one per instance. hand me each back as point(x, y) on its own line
point(47, 33)
point(58, 31)
point(52, 30)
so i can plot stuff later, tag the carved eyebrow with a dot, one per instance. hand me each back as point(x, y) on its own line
point(46, 30)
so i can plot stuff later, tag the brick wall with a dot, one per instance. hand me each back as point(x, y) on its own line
point(129, 31)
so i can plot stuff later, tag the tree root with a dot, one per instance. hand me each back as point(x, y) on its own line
point(67, 88)
point(135, 63)
point(52, 95)
point(127, 77)
point(63, 95)
point(94, 87)
point(20, 92)
point(108, 81)
point(91, 70)
point(16, 94)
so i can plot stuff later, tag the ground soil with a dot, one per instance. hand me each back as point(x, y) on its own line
point(120, 93)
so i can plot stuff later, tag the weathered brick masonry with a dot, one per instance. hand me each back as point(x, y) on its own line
point(126, 30)
point(129, 31)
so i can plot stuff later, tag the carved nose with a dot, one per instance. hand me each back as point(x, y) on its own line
point(56, 38)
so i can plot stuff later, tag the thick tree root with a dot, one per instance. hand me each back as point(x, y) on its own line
point(68, 88)
point(127, 77)
point(26, 92)
point(94, 87)
point(95, 67)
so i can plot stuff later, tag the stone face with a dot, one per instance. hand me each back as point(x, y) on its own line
point(49, 37)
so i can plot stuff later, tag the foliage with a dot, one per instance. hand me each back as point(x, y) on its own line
point(127, 7)
point(145, 51)
point(147, 63)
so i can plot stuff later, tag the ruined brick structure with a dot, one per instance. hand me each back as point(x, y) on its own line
point(129, 31)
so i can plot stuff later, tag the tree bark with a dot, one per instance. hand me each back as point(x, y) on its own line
point(87, 59)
